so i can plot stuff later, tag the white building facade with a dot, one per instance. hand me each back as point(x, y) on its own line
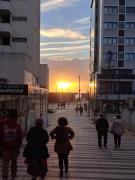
point(20, 49)
point(112, 53)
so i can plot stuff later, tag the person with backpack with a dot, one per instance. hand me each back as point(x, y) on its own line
point(36, 151)
point(102, 127)
point(62, 134)
point(11, 135)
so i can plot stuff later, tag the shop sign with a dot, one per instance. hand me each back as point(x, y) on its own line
point(13, 89)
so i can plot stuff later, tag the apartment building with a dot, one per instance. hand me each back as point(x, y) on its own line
point(20, 48)
point(112, 53)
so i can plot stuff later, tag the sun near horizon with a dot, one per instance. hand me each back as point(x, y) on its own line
point(67, 86)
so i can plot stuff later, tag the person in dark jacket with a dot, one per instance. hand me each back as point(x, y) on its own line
point(36, 151)
point(102, 127)
point(62, 134)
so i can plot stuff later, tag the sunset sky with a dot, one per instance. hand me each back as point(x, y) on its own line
point(65, 41)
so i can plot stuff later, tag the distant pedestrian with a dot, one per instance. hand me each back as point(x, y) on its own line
point(81, 110)
point(85, 107)
point(76, 110)
point(117, 129)
point(11, 139)
point(36, 151)
point(62, 134)
point(102, 127)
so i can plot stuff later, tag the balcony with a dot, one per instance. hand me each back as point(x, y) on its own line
point(5, 49)
point(5, 27)
point(5, 5)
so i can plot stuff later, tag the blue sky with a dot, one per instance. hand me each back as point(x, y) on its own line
point(65, 29)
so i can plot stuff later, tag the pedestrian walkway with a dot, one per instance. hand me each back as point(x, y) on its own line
point(87, 161)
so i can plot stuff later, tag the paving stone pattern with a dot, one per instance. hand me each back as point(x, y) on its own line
point(87, 161)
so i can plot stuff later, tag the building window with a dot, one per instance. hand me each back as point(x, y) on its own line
point(110, 9)
point(121, 32)
point(121, 48)
point(110, 25)
point(130, 41)
point(122, 9)
point(19, 18)
point(120, 63)
point(130, 25)
point(110, 40)
point(125, 87)
point(129, 56)
point(5, 40)
point(121, 17)
point(18, 39)
point(121, 40)
point(120, 55)
point(121, 2)
point(121, 25)
point(130, 10)
point(106, 56)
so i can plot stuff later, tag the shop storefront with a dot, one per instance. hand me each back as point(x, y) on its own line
point(29, 101)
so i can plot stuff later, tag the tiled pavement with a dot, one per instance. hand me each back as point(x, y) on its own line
point(87, 161)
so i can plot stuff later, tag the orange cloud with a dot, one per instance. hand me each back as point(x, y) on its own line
point(61, 33)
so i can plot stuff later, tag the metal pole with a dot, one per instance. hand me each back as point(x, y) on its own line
point(79, 90)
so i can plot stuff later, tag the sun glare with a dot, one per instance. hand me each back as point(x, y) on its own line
point(63, 85)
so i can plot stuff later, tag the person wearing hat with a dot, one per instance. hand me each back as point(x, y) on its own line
point(36, 151)
point(62, 134)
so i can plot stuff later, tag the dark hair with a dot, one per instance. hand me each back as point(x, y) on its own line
point(101, 115)
point(12, 114)
point(62, 121)
point(118, 116)
point(39, 122)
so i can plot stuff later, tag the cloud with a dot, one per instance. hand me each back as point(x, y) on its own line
point(83, 21)
point(61, 53)
point(61, 33)
point(55, 54)
point(71, 48)
point(64, 42)
point(54, 4)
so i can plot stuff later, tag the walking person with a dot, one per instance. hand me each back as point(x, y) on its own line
point(117, 129)
point(85, 107)
point(62, 134)
point(11, 136)
point(36, 151)
point(102, 127)
point(77, 109)
point(81, 110)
